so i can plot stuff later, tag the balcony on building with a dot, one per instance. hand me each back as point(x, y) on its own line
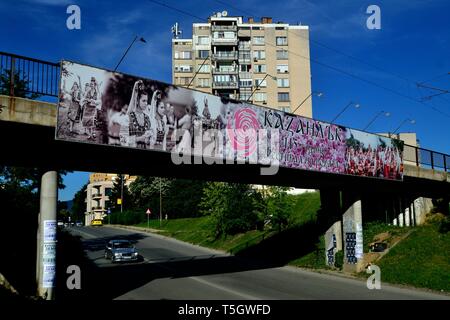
point(225, 85)
point(225, 55)
point(245, 57)
point(225, 38)
point(219, 27)
point(225, 70)
point(244, 45)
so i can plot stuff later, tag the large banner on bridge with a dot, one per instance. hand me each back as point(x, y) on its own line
point(109, 108)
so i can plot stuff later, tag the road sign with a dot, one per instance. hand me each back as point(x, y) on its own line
point(119, 201)
point(148, 211)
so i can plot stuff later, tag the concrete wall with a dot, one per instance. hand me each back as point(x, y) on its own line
point(27, 111)
point(333, 242)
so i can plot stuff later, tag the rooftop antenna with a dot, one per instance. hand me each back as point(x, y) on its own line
point(176, 31)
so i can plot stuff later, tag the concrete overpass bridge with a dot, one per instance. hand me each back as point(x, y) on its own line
point(27, 128)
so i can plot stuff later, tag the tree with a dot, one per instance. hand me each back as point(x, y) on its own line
point(231, 207)
point(20, 85)
point(120, 191)
point(79, 204)
point(279, 206)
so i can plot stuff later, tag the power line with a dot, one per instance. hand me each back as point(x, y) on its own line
point(351, 57)
point(321, 63)
point(325, 45)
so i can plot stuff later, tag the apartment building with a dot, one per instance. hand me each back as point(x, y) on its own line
point(262, 62)
point(98, 192)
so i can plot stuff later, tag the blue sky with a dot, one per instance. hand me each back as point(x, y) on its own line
point(413, 44)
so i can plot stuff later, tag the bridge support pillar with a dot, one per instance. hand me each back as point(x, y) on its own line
point(352, 234)
point(46, 255)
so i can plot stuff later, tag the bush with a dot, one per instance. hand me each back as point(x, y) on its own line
point(127, 217)
point(339, 259)
point(444, 225)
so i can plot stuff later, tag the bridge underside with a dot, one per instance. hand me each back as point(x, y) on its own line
point(35, 146)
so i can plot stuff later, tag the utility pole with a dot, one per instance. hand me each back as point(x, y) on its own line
point(121, 193)
point(160, 203)
point(46, 255)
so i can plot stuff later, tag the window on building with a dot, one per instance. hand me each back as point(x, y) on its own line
point(283, 96)
point(183, 68)
point(245, 83)
point(108, 192)
point(202, 40)
point(203, 82)
point(244, 96)
point(282, 83)
point(245, 67)
point(261, 68)
point(282, 68)
point(258, 40)
point(281, 41)
point(260, 83)
point(244, 55)
point(203, 68)
point(259, 54)
point(183, 55)
point(203, 54)
point(280, 28)
point(224, 35)
point(282, 54)
point(224, 78)
point(260, 96)
point(181, 81)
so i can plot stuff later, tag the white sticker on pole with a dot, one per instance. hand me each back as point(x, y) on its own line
point(48, 276)
point(49, 253)
point(49, 230)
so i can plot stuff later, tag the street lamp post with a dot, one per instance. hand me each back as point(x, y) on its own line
point(319, 94)
point(357, 105)
point(121, 193)
point(257, 86)
point(134, 40)
point(387, 114)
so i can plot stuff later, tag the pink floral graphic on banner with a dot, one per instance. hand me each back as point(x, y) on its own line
point(242, 131)
point(313, 145)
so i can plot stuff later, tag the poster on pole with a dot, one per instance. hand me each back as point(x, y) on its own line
point(102, 107)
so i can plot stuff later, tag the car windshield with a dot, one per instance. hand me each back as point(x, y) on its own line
point(119, 245)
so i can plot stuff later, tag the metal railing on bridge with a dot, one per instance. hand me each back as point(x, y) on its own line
point(33, 78)
point(28, 77)
point(426, 158)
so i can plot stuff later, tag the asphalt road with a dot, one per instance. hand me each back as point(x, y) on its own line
point(171, 269)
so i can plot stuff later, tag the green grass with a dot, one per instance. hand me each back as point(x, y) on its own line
point(199, 231)
point(373, 228)
point(314, 259)
point(421, 260)
point(305, 207)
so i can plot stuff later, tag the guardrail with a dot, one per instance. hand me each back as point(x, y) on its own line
point(426, 158)
point(28, 77)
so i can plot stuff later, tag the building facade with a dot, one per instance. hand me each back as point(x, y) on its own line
point(98, 192)
point(261, 62)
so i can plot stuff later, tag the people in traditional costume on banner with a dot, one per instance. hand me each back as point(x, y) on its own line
point(140, 128)
point(90, 106)
point(74, 112)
